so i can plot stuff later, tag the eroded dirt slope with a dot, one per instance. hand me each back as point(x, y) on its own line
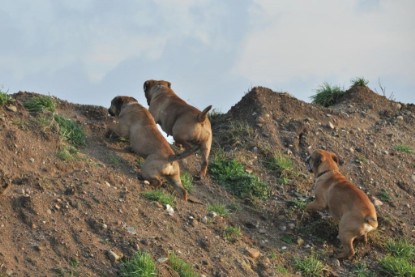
point(64, 217)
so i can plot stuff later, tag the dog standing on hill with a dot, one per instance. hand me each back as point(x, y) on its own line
point(189, 126)
point(345, 201)
point(136, 123)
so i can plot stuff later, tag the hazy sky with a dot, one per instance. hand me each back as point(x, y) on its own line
point(213, 52)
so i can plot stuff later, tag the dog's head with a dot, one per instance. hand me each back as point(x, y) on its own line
point(118, 102)
point(149, 84)
point(320, 161)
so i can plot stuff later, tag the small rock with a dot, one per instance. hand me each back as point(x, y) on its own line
point(205, 220)
point(253, 253)
point(291, 225)
point(212, 214)
point(162, 260)
point(114, 256)
point(377, 202)
point(283, 228)
point(300, 242)
point(413, 178)
point(399, 117)
point(11, 108)
point(131, 230)
point(32, 160)
point(331, 125)
point(169, 210)
point(146, 182)
point(284, 248)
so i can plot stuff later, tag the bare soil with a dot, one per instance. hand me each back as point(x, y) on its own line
point(63, 218)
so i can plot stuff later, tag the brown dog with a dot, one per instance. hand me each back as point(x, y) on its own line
point(345, 201)
point(189, 126)
point(136, 123)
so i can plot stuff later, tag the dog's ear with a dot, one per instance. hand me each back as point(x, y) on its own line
point(337, 159)
point(146, 85)
point(168, 84)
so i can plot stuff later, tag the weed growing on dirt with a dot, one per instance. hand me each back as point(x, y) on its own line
point(232, 233)
point(159, 196)
point(400, 258)
point(40, 103)
point(5, 98)
point(309, 267)
point(181, 267)
point(359, 81)
point(282, 165)
point(231, 174)
point(68, 153)
point(401, 248)
point(361, 270)
point(70, 131)
point(327, 95)
point(141, 264)
point(187, 181)
point(114, 160)
point(403, 148)
point(220, 209)
point(22, 124)
point(237, 133)
point(384, 196)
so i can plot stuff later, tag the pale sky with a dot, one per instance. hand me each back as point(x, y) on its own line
point(213, 52)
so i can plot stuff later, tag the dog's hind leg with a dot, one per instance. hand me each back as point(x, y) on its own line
point(205, 150)
point(175, 180)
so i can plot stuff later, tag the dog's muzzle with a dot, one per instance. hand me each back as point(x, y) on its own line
point(307, 162)
point(111, 112)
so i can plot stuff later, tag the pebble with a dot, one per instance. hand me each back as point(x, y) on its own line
point(162, 260)
point(11, 108)
point(253, 253)
point(114, 256)
point(169, 210)
point(399, 117)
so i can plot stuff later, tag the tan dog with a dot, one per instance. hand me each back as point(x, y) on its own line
point(136, 123)
point(188, 126)
point(344, 200)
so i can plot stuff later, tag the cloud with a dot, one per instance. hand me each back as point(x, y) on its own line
point(297, 40)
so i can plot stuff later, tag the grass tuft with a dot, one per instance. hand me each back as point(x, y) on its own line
point(232, 176)
point(187, 181)
point(70, 131)
point(309, 267)
point(40, 103)
point(396, 266)
point(5, 98)
point(359, 81)
point(220, 209)
point(282, 165)
point(181, 267)
point(403, 148)
point(159, 196)
point(140, 265)
point(232, 233)
point(68, 153)
point(327, 95)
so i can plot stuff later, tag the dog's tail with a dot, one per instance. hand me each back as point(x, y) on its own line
point(202, 116)
point(186, 153)
point(371, 221)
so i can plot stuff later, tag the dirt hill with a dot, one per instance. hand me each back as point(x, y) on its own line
point(79, 210)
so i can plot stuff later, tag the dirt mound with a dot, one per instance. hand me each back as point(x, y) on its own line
point(66, 210)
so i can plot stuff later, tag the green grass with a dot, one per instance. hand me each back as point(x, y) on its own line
point(309, 267)
point(400, 259)
point(361, 270)
point(401, 248)
point(282, 165)
point(140, 265)
point(237, 133)
point(5, 98)
point(232, 233)
point(359, 81)
point(231, 174)
point(220, 209)
point(403, 148)
point(396, 266)
point(159, 196)
point(384, 196)
point(68, 153)
point(182, 268)
point(327, 95)
point(70, 131)
point(187, 181)
point(40, 103)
